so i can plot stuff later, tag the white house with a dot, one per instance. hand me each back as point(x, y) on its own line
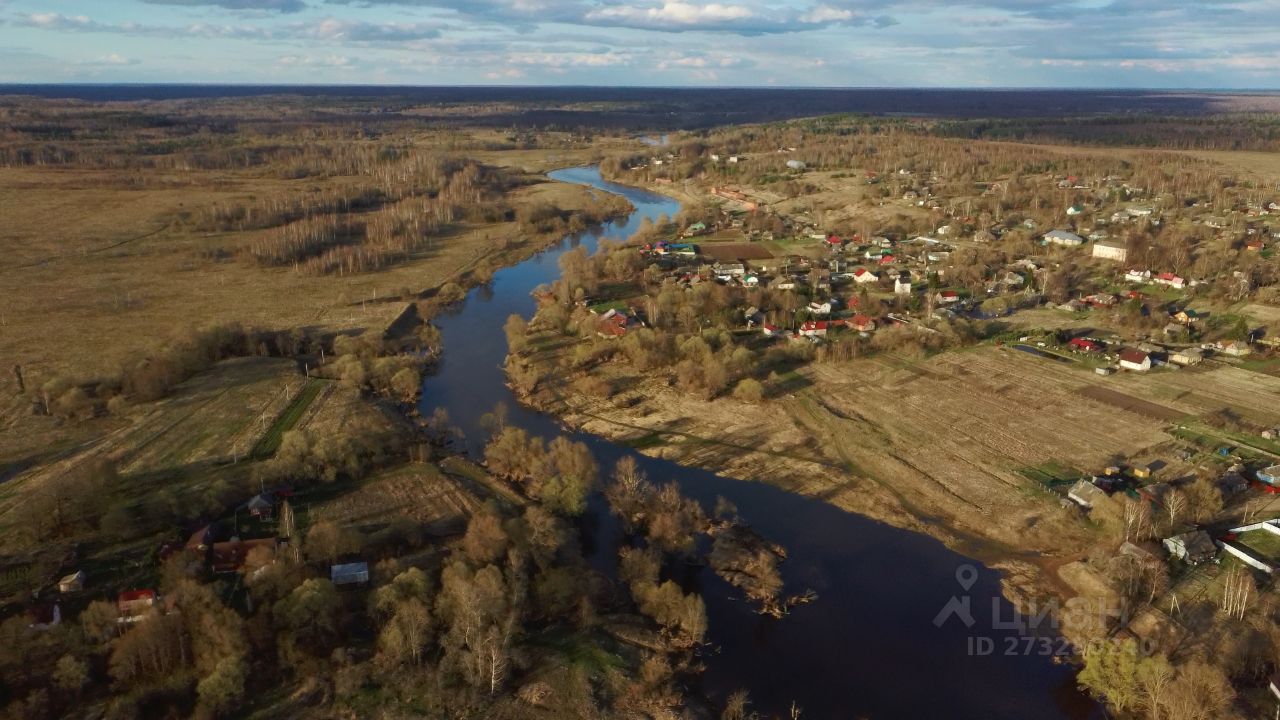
point(902, 287)
point(1138, 276)
point(1110, 250)
point(863, 276)
point(820, 308)
point(1062, 237)
point(1135, 360)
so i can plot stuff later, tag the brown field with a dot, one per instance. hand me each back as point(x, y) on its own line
point(1130, 403)
point(729, 252)
point(935, 445)
point(420, 492)
point(208, 419)
point(113, 272)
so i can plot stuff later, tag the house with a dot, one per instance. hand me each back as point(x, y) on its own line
point(814, 328)
point(695, 229)
point(1085, 494)
point(1111, 250)
point(72, 583)
point(1136, 360)
point(1193, 548)
point(1270, 476)
point(1232, 483)
point(1254, 246)
point(1234, 348)
point(1084, 345)
point(820, 308)
point(770, 330)
point(230, 556)
point(863, 276)
point(862, 323)
point(134, 605)
point(1103, 300)
point(1138, 276)
point(901, 287)
point(614, 324)
point(1187, 316)
point(1012, 279)
point(1075, 210)
point(1140, 211)
point(356, 573)
point(1187, 356)
point(947, 297)
point(1062, 237)
point(887, 260)
point(729, 269)
point(1169, 279)
point(261, 506)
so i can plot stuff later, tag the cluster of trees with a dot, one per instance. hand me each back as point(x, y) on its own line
point(369, 362)
point(1132, 682)
point(154, 376)
point(560, 474)
point(305, 455)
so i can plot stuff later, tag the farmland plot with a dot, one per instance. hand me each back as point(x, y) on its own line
point(419, 491)
point(215, 415)
point(961, 425)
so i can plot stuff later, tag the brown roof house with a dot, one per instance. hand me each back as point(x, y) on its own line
point(1136, 360)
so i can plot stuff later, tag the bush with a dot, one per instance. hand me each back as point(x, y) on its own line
point(749, 390)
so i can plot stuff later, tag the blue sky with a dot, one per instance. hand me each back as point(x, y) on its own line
point(864, 43)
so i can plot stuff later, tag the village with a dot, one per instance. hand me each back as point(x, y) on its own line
point(1155, 308)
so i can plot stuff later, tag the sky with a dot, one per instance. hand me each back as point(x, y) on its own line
point(751, 43)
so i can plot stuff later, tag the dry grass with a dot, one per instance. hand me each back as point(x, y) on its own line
point(208, 419)
point(420, 492)
point(105, 273)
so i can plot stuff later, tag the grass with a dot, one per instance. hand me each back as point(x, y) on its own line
point(270, 442)
point(1051, 473)
point(604, 307)
point(1265, 544)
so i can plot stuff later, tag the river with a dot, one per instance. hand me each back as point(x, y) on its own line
point(870, 645)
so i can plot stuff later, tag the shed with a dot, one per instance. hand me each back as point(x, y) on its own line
point(349, 573)
point(72, 583)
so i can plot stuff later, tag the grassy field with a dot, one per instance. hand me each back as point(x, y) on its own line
point(117, 274)
point(1265, 544)
point(298, 406)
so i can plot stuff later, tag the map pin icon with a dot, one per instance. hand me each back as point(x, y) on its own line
point(966, 575)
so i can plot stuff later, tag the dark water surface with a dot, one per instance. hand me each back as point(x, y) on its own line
point(869, 646)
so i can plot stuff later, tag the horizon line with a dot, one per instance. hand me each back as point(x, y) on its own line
point(766, 88)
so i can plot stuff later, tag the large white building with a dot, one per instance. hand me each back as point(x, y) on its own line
point(1110, 250)
point(1062, 237)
